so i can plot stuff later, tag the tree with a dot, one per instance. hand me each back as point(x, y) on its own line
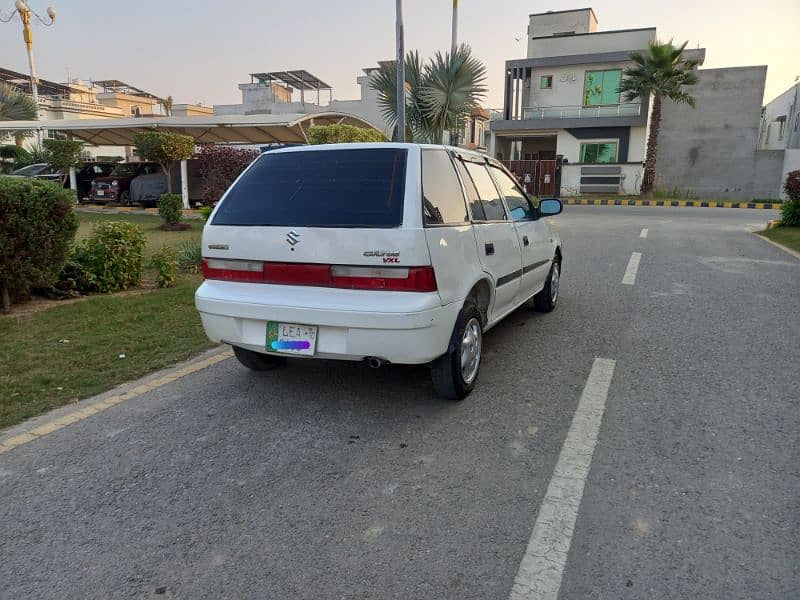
point(439, 93)
point(62, 155)
point(166, 104)
point(12, 155)
point(342, 134)
point(16, 105)
point(220, 166)
point(164, 148)
point(661, 72)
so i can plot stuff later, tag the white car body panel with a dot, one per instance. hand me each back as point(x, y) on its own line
point(395, 326)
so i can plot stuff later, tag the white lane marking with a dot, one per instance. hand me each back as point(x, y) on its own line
point(644, 233)
point(633, 267)
point(542, 567)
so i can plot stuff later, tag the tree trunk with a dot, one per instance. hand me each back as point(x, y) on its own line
point(169, 179)
point(649, 176)
point(6, 299)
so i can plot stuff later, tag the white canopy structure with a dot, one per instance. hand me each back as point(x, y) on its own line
point(216, 129)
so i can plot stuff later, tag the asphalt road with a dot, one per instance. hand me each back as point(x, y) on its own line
point(328, 480)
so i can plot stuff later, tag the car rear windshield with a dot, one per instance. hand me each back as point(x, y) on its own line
point(319, 188)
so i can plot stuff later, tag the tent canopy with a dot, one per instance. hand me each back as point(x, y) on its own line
point(220, 129)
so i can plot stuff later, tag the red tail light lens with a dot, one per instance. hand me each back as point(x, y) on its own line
point(398, 279)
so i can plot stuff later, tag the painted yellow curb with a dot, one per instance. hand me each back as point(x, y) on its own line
point(97, 407)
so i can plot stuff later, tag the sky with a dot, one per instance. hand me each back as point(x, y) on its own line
point(199, 51)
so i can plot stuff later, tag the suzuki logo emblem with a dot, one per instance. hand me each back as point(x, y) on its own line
point(292, 238)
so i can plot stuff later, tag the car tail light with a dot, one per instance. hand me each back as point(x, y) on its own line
point(399, 279)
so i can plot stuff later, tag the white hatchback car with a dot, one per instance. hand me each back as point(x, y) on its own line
point(385, 253)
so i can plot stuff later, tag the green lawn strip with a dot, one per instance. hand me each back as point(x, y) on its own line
point(153, 329)
point(785, 236)
point(150, 225)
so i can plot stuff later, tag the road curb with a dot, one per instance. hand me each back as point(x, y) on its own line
point(668, 203)
point(58, 418)
point(777, 245)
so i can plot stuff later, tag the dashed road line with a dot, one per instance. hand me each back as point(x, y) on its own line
point(87, 411)
point(633, 267)
point(644, 233)
point(542, 567)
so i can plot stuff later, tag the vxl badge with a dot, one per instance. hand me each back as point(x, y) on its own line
point(292, 238)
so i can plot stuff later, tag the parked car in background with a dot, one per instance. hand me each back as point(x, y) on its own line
point(87, 173)
point(115, 187)
point(385, 252)
point(38, 171)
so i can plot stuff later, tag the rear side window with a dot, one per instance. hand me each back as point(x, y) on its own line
point(319, 188)
point(516, 201)
point(442, 199)
point(473, 200)
point(490, 199)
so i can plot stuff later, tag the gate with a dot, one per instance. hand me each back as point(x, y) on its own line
point(538, 177)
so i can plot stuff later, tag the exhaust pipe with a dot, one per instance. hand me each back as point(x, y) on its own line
point(374, 362)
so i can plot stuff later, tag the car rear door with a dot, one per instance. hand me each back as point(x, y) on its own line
point(498, 244)
point(532, 233)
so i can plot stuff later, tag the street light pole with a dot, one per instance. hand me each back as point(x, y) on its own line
point(454, 41)
point(25, 13)
point(401, 75)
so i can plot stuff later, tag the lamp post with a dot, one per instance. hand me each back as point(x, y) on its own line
point(21, 7)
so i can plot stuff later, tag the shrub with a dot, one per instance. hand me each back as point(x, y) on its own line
point(219, 168)
point(169, 207)
point(37, 226)
point(62, 155)
point(165, 262)
point(205, 212)
point(190, 256)
point(790, 213)
point(340, 134)
point(113, 256)
point(792, 185)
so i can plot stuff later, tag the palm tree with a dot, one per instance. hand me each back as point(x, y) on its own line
point(166, 104)
point(16, 105)
point(438, 93)
point(661, 72)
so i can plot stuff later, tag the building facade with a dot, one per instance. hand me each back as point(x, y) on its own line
point(565, 128)
point(780, 129)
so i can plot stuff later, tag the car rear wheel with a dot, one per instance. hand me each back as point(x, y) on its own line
point(256, 361)
point(455, 373)
point(545, 301)
point(125, 198)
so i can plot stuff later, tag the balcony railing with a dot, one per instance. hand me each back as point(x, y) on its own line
point(633, 109)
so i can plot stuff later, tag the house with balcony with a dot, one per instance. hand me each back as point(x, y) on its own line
point(565, 128)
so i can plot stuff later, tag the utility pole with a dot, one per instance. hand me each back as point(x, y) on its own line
point(454, 43)
point(401, 75)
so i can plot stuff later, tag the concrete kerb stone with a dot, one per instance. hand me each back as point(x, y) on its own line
point(669, 203)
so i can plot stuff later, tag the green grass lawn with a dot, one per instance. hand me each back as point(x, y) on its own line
point(786, 236)
point(40, 370)
point(149, 224)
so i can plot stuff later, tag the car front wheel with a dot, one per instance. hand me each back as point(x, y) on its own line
point(256, 361)
point(545, 301)
point(455, 373)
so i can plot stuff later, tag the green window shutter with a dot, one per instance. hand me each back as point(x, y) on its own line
point(607, 153)
point(592, 88)
point(588, 153)
point(611, 81)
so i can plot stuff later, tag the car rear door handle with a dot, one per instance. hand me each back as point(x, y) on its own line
point(525, 240)
point(489, 248)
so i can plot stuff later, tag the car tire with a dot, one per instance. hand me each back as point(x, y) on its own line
point(256, 361)
point(452, 378)
point(125, 198)
point(545, 300)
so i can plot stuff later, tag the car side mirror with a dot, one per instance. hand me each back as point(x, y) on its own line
point(550, 207)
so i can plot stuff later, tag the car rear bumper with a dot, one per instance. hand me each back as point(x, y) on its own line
point(399, 327)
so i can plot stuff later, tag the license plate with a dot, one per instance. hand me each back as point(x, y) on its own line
point(291, 338)
point(99, 193)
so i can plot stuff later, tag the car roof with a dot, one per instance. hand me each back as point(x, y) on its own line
point(375, 146)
